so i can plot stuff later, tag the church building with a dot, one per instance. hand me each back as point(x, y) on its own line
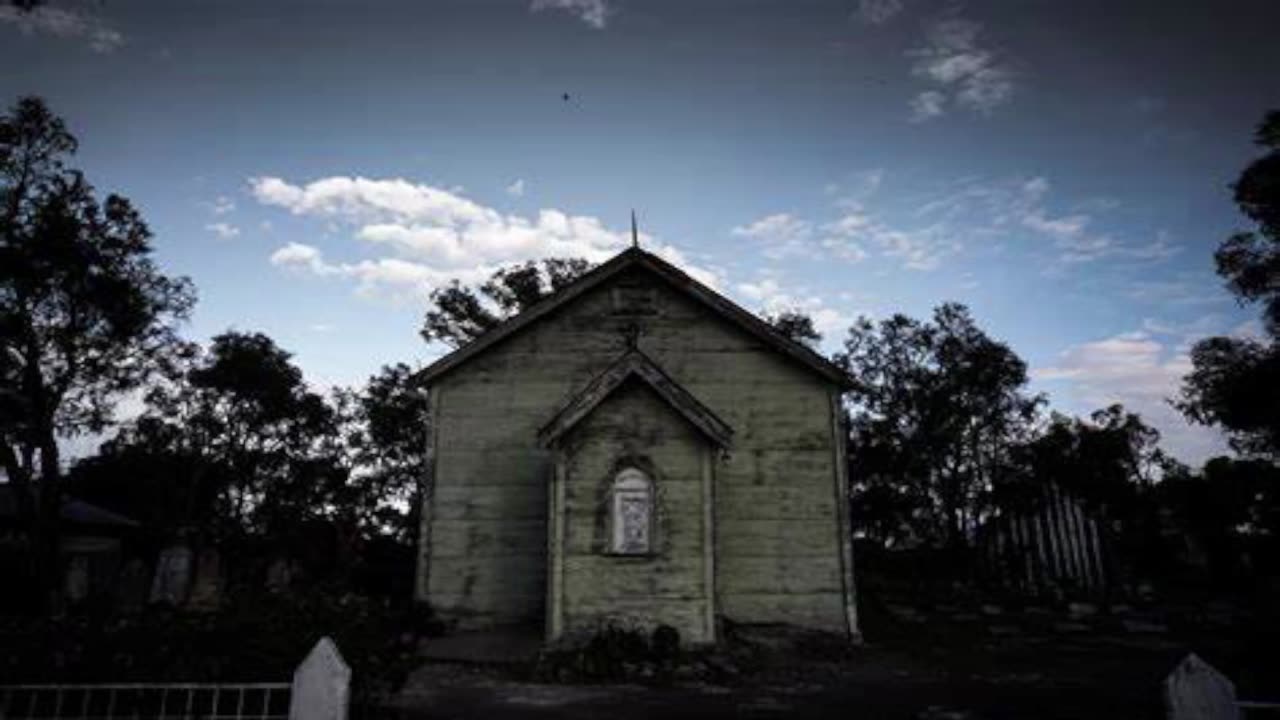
point(636, 448)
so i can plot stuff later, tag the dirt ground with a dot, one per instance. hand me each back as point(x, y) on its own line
point(926, 671)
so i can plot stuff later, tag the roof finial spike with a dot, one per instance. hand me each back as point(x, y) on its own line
point(635, 235)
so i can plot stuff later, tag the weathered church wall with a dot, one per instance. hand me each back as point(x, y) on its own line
point(777, 551)
point(634, 428)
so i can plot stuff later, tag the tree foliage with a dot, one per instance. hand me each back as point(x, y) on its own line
point(795, 325)
point(260, 444)
point(1235, 382)
point(386, 425)
point(1109, 462)
point(85, 314)
point(937, 409)
point(459, 314)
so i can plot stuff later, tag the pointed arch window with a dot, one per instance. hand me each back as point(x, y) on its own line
point(631, 513)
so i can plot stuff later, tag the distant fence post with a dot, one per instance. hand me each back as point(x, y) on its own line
point(1197, 691)
point(321, 685)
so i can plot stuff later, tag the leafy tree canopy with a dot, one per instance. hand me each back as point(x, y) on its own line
point(85, 313)
point(1235, 382)
point(937, 408)
point(459, 314)
point(256, 438)
point(795, 325)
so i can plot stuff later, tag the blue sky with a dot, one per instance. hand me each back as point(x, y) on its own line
point(316, 168)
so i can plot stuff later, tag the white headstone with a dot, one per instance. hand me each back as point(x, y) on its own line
point(1196, 691)
point(279, 575)
point(173, 575)
point(321, 685)
point(131, 587)
point(206, 590)
point(77, 580)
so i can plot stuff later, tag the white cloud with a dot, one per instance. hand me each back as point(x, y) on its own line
point(878, 12)
point(1005, 206)
point(435, 235)
point(226, 231)
point(592, 12)
point(1176, 291)
point(221, 205)
point(438, 226)
point(963, 72)
point(928, 105)
point(772, 299)
point(1141, 373)
point(392, 276)
point(64, 23)
point(782, 234)
point(516, 189)
point(855, 193)
point(917, 248)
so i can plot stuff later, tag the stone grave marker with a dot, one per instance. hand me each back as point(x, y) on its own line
point(206, 591)
point(321, 685)
point(1197, 691)
point(173, 575)
point(77, 578)
point(131, 587)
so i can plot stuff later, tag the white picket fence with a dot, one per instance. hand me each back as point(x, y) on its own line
point(320, 691)
point(1195, 690)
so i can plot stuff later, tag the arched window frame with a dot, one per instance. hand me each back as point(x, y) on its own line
point(631, 513)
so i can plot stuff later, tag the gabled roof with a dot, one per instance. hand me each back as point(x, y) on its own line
point(634, 363)
point(629, 258)
point(73, 511)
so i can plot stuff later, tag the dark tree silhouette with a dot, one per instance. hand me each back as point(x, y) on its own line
point(1235, 383)
point(1108, 461)
point(386, 422)
point(85, 314)
point(260, 443)
point(459, 314)
point(796, 325)
point(937, 410)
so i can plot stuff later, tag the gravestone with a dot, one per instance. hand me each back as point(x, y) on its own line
point(173, 575)
point(77, 579)
point(131, 587)
point(1196, 691)
point(321, 685)
point(206, 591)
point(280, 575)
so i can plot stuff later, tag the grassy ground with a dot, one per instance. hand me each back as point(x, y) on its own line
point(928, 663)
point(1024, 665)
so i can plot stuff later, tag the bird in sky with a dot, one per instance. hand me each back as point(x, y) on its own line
point(566, 97)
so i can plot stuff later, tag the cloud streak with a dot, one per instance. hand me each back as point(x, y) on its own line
point(226, 231)
point(64, 23)
point(878, 12)
point(592, 12)
point(963, 73)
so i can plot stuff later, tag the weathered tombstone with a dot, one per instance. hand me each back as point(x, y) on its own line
point(279, 575)
point(77, 579)
point(173, 575)
point(206, 591)
point(1196, 691)
point(321, 685)
point(131, 587)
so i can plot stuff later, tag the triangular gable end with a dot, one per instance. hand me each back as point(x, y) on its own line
point(634, 363)
point(679, 280)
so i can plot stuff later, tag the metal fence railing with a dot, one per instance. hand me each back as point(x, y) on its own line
point(146, 701)
point(321, 688)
